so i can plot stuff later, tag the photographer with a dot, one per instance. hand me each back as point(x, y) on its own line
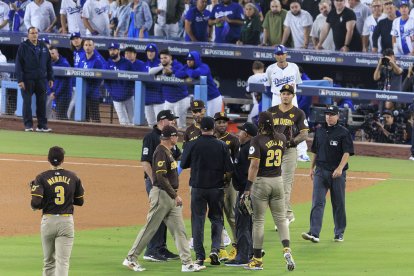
point(386, 131)
point(388, 73)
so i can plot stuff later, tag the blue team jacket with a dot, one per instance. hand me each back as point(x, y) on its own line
point(92, 85)
point(120, 90)
point(62, 86)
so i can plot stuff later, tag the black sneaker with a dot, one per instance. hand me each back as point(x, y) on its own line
point(156, 257)
point(339, 238)
point(235, 262)
point(168, 254)
point(214, 258)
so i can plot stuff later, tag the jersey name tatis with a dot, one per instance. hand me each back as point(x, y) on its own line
point(58, 179)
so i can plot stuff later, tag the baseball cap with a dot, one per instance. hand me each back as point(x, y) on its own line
point(207, 123)
point(280, 50)
point(332, 109)
point(249, 128)
point(265, 118)
point(190, 56)
point(75, 35)
point(287, 88)
point(151, 47)
point(46, 40)
point(387, 111)
point(114, 45)
point(197, 104)
point(404, 3)
point(221, 116)
point(166, 114)
point(168, 131)
point(56, 155)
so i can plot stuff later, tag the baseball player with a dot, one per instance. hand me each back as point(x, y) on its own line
point(193, 132)
point(165, 205)
point(292, 121)
point(230, 195)
point(265, 186)
point(55, 191)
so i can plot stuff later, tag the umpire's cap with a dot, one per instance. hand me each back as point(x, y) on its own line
point(221, 116)
point(56, 155)
point(197, 105)
point(332, 109)
point(167, 132)
point(249, 128)
point(207, 123)
point(166, 114)
point(265, 118)
point(287, 88)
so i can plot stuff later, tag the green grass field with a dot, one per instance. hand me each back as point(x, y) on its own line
point(378, 240)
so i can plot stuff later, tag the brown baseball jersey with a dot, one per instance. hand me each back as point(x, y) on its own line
point(232, 143)
point(56, 191)
point(191, 133)
point(269, 151)
point(291, 122)
point(164, 171)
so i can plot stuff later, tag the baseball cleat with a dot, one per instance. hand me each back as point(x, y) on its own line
point(233, 252)
point(223, 255)
point(255, 264)
point(214, 258)
point(155, 258)
point(134, 266)
point(309, 237)
point(190, 268)
point(290, 263)
point(339, 238)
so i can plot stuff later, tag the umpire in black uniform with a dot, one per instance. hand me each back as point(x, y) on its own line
point(332, 146)
point(33, 71)
point(209, 160)
point(243, 221)
point(157, 249)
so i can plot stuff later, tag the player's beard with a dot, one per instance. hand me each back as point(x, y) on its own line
point(113, 57)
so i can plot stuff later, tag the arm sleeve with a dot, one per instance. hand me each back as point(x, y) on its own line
point(50, 76)
point(228, 163)
point(254, 150)
point(79, 193)
point(37, 194)
point(186, 156)
point(161, 169)
point(27, 17)
point(147, 16)
point(182, 73)
point(147, 150)
point(18, 65)
point(347, 143)
point(202, 70)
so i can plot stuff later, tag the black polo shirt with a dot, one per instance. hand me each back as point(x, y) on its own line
point(330, 144)
point(241, 167)
point(209, 159)
point(150, 143)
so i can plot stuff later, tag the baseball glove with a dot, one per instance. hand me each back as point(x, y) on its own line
point(245, 206)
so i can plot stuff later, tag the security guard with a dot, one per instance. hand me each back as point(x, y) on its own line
point(156, 249)
point(210, 162)
point(198, 110)
point(55, 191)
point(332, 146)
point(239, 179)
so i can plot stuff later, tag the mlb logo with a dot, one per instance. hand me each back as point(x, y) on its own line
point(333, 143)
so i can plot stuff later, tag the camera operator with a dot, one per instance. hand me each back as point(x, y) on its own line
point(386, 131)
point(388, 73)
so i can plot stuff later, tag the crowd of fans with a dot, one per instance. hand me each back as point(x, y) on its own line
point(345, 25)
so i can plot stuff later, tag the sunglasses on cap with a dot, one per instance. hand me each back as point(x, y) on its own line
point(196, 110)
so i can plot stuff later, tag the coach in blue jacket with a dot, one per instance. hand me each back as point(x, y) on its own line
point(194, 69)
point(33, 70)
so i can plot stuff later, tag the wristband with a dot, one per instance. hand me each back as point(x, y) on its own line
point(248, 185)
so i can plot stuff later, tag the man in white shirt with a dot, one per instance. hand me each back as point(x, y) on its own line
point(361, 11)
point(95, 15)
point(40, 14)
point(70, 17)
point(298, 22)
point(4, 17)
point(324, 9)
point(258, 77)
point(370, 24)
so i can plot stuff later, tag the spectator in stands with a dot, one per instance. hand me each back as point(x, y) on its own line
point(257, 5)
point(61, 91)
point(113, 5)
point(388, 74)
point(402, 31)
point(385, 131)
point(167, 14)
point(154, 100)
point(95, 15)
point(273, 24)
point(408, 83)
point(196, 23)
point(382, 31)
point(91, 61)
point(312, 7)
point(33, 68)
point(196, 68)
point(40, 14)
point(120, 90)
point(298, 23)
point(264, 5)
point(342, 20)
point(121, 19)
point(176, 96)
point(227, 18)
point(370, 24)
point(328, 44)
point(16, 15)
point(286, 4)
point(361, 12)
point(4, 17)
point(56, 8)
point(252, 27)
point(70, 17)
point(141, 19)
point(259, 78)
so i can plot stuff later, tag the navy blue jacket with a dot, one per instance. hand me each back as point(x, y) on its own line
point(174, 93)
point(33, 62)
point(120, 90)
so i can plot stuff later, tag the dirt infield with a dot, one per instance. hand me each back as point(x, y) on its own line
point(115, 192)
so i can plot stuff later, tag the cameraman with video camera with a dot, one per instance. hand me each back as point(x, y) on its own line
point(388, 73)
point(386, 131)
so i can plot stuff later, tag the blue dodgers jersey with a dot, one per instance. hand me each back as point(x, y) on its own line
point(120, 90)
point(232, 11)
point(199, 24)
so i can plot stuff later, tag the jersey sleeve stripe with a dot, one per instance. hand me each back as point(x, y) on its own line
point(37, 195)
point(79, 196)
point(159, 171)
point(254, 158)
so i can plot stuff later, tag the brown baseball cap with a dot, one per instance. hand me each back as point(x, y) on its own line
point(287, 88)
point(197, 104)
point(168, 131)
point(221, 116)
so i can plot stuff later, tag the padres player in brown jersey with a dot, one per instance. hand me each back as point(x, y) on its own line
point(193, 132)
point(293, 120)
point(55, 191)
point(230, 194)
point(165, 205)
point(265, 186)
